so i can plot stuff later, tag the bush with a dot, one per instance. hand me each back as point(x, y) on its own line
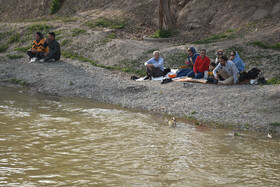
point(55, 6)
point(3, 48)
point(162, 33)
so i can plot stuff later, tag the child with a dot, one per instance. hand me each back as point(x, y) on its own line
point(210, 75)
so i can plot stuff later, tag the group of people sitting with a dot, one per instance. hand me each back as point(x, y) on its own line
point(223, 70)
point(44, 50)
point(198, 66)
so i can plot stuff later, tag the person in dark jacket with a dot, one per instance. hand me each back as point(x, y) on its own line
point(54, 49)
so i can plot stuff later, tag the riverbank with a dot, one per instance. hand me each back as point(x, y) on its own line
point(245, 107)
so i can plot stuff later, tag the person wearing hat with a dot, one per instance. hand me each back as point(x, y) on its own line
point(38, 48)
point(54, 49)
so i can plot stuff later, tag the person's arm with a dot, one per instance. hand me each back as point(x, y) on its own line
point(148, 62)
point(216, 69)
point(158, 63)
point(235, 72)
point(195, 65)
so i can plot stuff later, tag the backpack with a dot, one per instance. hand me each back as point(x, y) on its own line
point(253, 73)
point(243, 76)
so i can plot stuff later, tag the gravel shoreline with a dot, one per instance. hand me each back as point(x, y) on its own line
point(245, 107)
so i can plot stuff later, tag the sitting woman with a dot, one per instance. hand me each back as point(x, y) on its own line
point(235, 58)
point(220, 53)
point(200, 66)
point(38, 48)
point(192, 55)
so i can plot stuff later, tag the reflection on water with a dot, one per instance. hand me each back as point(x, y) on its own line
point(60, 141)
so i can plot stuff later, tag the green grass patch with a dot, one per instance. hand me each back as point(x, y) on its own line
point(3, 48)
point(162, 33)
point(76, 56)
point(176, 60)
point(17, 81)
point(14, 56)
point(55, 5)
point(14, 38)
point(77, 31)
point(66, 42)
point(44, 28)
point(111, 36)
point(23, 49)
point(67, 19)
point(265, 46)
point(275, 124)
point(227, 35)
point(274, 80)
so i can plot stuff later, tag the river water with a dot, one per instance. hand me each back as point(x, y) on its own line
point(55, 141)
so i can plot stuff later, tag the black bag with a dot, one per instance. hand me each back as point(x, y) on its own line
point(243, 76)
point(167, 70)
point(253, 73)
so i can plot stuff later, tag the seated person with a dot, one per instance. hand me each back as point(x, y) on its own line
point(220, 53)
point(54, 49)
point(38, 48)
point(200, 66)
point(227, 70)
point(192, 55)
point(155, 66)
point(210, 74)
point(235, 58)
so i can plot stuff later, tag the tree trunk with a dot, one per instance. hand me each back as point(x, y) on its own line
point(165, 15)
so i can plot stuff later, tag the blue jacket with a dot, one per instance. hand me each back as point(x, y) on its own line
point(195, 55)
point(239, 63)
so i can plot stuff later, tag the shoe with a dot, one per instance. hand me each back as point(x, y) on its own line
point(134, 77)
point(42, 60)
point(148, 77)
point(171, 76)
point(33, 60)
point(164, 81)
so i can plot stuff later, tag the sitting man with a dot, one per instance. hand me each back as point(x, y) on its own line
point(38, 48)
point(184, 70)
point(54, 48)
point(227, 70)
point(200, 66)
point(155, 66)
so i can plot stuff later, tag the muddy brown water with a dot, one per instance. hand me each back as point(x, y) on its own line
point(56, 141)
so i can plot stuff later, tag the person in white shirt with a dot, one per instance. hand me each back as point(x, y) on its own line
point(227, 70)
point(155, 66)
